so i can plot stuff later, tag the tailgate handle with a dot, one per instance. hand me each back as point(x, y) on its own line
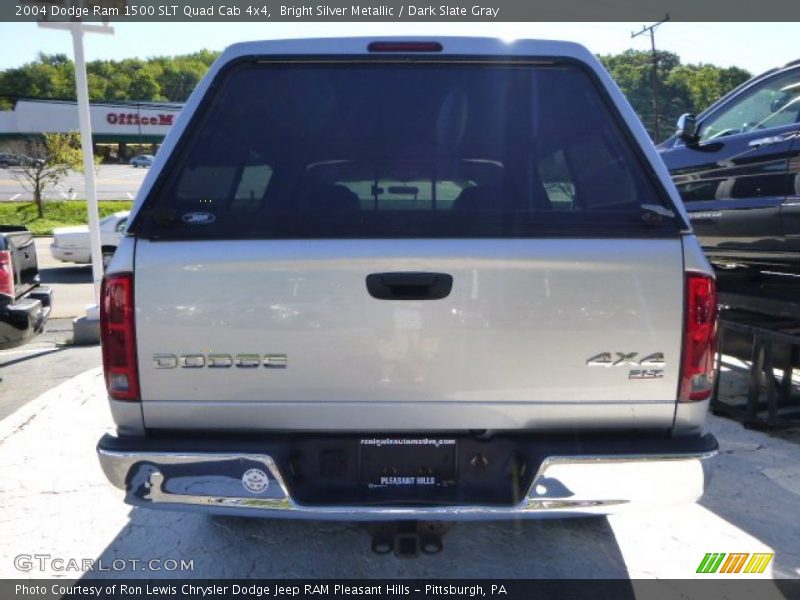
point(409, 286)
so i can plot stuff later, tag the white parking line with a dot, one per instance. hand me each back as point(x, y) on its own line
point(129, 195)
point(15, 196)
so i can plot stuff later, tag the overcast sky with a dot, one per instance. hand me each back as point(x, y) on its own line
point(752, 46)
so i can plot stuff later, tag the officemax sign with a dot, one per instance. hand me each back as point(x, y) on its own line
point(131, 118)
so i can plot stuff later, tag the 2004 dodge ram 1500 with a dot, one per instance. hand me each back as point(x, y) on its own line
point(408, 279)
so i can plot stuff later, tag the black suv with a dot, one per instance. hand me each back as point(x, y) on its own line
point(737, 168)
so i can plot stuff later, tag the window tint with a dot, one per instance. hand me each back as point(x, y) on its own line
point(773, 103)
point(431, 185)
point(394, 150)
point(557, 180)
point(206, 183)
point(251, 188)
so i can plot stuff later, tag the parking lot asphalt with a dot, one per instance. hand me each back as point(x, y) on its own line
point(50, 359)
point(45, 362)
point(113, 182)
point(72, 283)
point(56, 502)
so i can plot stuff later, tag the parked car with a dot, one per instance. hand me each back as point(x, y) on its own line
point(398, 284)
point(143, 160)
point(737, 168)
point(10, 160)
point(17, 160)
point(71, 244)
point(24, 303)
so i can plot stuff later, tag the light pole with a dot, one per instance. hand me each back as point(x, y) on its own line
point(78, 29)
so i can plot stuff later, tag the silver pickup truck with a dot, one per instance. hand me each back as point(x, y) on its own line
point(408, 279)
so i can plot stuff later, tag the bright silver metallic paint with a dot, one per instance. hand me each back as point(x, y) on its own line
point(507, 415)
point(513, 334)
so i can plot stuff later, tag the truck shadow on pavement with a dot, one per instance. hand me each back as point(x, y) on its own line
point(228, 547)
point(755, 481)
point(755, 484)
point(77, 274)
point(27, 357)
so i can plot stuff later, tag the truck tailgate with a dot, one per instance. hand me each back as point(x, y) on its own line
point(284, 334)
point(19, 241)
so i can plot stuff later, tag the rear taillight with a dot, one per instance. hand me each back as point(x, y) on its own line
point(699, 338)
point(6, 274)
point(118, 336)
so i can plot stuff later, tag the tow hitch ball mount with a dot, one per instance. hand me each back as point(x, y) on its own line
point(408, 539)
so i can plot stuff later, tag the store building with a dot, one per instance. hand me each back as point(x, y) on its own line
point(120, 129)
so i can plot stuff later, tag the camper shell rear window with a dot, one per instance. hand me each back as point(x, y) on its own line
point(416, 149)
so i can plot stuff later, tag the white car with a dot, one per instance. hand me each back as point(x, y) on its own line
point(71, 244)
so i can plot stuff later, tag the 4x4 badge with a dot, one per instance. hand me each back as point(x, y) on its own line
point(621, 359)
point(649, 367)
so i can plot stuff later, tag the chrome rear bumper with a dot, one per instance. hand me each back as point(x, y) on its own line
point(20, 321)
point(563, 486)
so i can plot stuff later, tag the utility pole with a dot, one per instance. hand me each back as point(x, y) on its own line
point(651, 29)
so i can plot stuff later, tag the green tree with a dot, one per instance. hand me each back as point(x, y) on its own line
point(704, 84)
point(681, 88)
point(51, 76)
point(143, 87)
point(55, 60)
point(178, 80)
point(46, 161)
point(118, 86)
point(98, 87)
point(633, 72)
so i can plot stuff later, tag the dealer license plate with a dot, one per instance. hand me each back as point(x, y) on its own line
point(405, 462)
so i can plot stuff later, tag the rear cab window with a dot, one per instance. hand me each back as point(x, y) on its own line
point(401, 149)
